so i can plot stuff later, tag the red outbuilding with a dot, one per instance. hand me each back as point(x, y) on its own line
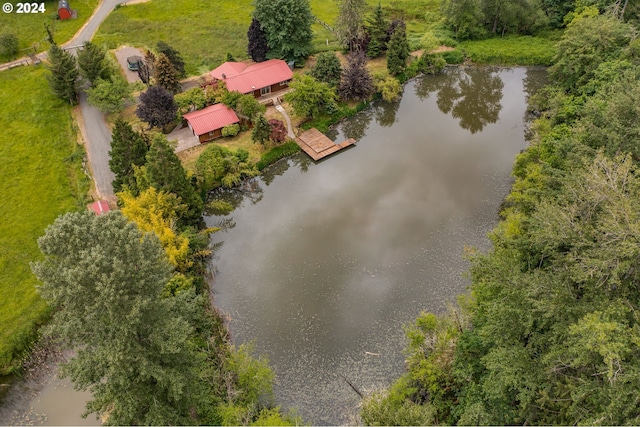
point(207, 123)
point(64, 10)
point(99, 207)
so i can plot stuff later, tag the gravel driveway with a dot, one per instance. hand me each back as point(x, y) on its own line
point(122, 54)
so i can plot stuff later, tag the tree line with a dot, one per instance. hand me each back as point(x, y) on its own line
point(550, 332)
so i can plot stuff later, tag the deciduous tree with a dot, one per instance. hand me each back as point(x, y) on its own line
point(465, 17)
point(110, 95)
point(157, 107)
point(287, 26)
point(310, 97)
point(248, 106)
point(587, 42)
point(63, 74)
point(327, 69)
point(159, 212)
point(278, 130)
point(356, 83)
point(190, 100)
point(104, 279)
point(257, 47)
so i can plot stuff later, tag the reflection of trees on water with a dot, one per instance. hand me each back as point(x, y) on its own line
point(355, 127)
point(251, 189)
point(534, 80)
point(471, 95)
point(386, 112)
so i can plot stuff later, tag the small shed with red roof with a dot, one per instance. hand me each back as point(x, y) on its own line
point(207, 123)
point(99, 207)
point(260, 79)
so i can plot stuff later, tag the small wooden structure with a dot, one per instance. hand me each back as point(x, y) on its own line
point(99, 207)
point(318, 146)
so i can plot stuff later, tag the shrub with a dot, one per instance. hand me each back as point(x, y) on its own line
point(231, 130)
point(432, 63)
point(276, 154)
point(429, 41)
point(388, 86)
point(278, 131)
point(8, 44)
point(453, 57)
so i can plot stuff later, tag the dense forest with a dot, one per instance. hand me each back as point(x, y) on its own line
point(550, 333)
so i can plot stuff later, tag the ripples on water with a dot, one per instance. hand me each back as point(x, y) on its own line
point(328, 261)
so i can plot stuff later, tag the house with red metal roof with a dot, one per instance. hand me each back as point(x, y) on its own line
point(260, 79)
point(207, 123)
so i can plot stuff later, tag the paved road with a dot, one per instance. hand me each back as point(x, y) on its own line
point(95, 130)
point(92, 25)
point(97, 135)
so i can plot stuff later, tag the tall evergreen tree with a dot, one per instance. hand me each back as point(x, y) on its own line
point(173, 56)
point(128, 149)
point(104, 278)
point(287, 26)
point(166, 75)
point(93, 64)
point(261, 130)
point(63, 74)
point(327, 69)
point(257, 47)
point(349, 23)
point(157, 107)
point(377, 29)
point(164, 172)
point(356, 83)
point(398, 49)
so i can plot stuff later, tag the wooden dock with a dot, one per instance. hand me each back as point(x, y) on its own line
point(318, 146)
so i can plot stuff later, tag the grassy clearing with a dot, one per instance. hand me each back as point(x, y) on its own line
point(41, 178)
point(29, 28)
point(511, 50)
point(204, 34)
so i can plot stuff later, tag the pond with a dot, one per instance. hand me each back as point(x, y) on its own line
point(320, 265)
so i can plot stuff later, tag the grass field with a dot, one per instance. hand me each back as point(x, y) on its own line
point(29, 28)
point(204, 34)
point(511, 50)
point(41, 178)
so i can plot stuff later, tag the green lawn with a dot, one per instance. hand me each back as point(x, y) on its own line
point(204, 34)
point(41, 177)
point(511, 50)
point(29, 28)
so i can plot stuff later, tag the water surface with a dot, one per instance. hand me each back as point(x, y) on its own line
point(327, 261)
